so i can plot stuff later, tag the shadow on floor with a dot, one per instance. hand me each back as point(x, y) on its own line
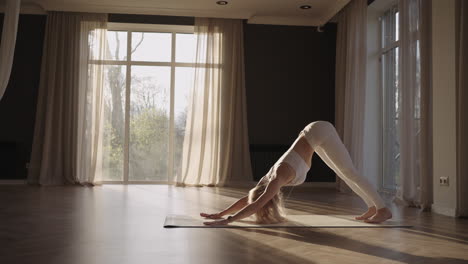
point(341, 242)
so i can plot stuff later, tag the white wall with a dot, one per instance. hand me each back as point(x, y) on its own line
point(444, 105)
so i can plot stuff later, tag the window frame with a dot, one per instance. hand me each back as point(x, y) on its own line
point(384, 114)
point(150, 28)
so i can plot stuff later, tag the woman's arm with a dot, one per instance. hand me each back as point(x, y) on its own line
point(271, 190)
point(235, 207)
point(284, 174)
point(239, 204)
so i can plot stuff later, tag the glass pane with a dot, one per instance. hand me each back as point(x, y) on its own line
point(151, 46)
point(391, 119)
point(116, 45)
point(390, 27)
point(185, 48)
point(114, 122)
point(149, 123)
point(183, 83)
point(417, 97)
point(397, 26)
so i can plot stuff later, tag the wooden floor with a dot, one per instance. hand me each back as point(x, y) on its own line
point(124, 224)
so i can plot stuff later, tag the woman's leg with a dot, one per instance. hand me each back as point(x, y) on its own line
point(324, 139)
point(351, 184)
point(335, 152)
point(371, 209)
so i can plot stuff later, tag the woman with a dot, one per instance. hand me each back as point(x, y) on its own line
point(265, 200)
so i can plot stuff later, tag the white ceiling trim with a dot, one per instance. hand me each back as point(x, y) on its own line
point(280, 20)
point(253, 16)
point(145, 10)
point(333, 10)
point(301, 20)
point(28, 8)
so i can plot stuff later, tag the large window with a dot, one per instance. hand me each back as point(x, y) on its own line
point(148, 72)
point(391, 92)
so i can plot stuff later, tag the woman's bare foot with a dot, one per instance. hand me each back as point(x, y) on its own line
point(370, 212)
point(381, 215)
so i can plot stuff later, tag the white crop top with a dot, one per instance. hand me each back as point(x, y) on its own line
point(296, 162)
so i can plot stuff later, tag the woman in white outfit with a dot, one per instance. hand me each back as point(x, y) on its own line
point(265, 200)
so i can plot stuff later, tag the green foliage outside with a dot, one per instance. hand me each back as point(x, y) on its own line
point(149, 133)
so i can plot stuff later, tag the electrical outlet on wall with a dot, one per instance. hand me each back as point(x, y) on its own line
point(444, 181)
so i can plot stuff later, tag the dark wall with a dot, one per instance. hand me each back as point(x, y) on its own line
point(290, 74)
point(146, 19)
point(290, 82)
point(18, 105)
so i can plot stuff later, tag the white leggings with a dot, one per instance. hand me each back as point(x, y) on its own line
point(324, 139)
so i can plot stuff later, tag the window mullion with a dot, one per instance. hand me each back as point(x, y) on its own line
point(149, 63)
point(390, 46)
point(389, 64)
point(170, 172)
point(127, 107)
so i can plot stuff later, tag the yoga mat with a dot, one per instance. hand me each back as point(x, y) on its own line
point(295, 221)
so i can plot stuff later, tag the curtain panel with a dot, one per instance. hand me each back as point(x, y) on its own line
point(69, 108)
point(7, 45)
point(350, 80)
point(216, 148)
point(415, 184)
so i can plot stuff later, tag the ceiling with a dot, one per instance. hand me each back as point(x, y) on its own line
point(278, 12)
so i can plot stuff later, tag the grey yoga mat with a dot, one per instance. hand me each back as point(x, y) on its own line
point(296, 221)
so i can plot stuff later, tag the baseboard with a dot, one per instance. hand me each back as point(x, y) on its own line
point(442, 210)
point(13, 182)
point(462, 212)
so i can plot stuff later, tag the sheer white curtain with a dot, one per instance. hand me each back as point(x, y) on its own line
point(216, 150)
point(350, 80)
point(415, 184)
point(7, 46)
point(69, 109)
point(93, 48)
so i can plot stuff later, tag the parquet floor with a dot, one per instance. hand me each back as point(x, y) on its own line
point(115, 224)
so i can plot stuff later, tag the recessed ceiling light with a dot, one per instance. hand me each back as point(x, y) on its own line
point(222, 2)
point(305, 7)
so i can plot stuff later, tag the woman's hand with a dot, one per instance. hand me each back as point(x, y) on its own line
point(218, 222)
point(211, 216)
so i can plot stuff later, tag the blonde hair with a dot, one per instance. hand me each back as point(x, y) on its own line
point(273, 211)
